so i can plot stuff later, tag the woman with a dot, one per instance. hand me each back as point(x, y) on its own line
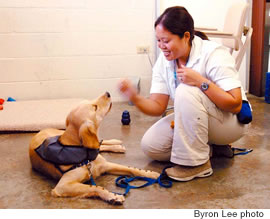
point(199, 75)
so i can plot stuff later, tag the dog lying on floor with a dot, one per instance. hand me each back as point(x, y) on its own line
point(72, 156)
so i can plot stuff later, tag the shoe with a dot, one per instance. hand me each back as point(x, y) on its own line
point(187, 173)
point(222, 151)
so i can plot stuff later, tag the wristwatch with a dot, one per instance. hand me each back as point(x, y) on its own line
point(205, 86)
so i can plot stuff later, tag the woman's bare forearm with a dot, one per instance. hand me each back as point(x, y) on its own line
point(155, 105)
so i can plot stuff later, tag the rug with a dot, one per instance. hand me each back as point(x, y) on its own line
point(34, 115)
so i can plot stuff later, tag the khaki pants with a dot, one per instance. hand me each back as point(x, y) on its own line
point(197, 123)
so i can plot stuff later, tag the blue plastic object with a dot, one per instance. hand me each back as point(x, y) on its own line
point(10, 99)
point(267, 88)
point(125, 118)
point(245, 115)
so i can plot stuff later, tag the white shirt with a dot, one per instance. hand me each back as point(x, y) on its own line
point(212, 60)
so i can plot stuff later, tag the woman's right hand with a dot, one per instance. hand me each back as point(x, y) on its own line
point(155, 105)
point(127, 89)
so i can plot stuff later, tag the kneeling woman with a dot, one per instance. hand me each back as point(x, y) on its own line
point(200, 77)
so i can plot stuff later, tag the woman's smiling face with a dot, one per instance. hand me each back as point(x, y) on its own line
point(172, 46)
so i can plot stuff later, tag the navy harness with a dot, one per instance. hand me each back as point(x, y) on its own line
point(54, 152)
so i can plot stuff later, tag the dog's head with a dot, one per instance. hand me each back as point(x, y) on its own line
point(85, 119)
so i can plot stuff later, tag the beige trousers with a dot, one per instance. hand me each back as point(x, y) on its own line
point(197, 123)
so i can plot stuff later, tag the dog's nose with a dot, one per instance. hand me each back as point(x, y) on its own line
point(108, 94)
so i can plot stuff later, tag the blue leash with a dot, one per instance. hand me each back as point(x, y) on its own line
point(124, 182)
point(241, 151)
point(163, 180)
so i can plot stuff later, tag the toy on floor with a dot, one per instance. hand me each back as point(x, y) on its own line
point(125, 118)
point(10, 99)
point(1, 103)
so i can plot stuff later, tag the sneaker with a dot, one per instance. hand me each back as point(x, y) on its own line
point(222, 151)
point(186, 173)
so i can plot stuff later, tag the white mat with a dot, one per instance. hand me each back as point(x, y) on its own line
point(35, 115)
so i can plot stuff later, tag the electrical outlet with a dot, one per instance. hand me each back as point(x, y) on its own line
point(143, 49)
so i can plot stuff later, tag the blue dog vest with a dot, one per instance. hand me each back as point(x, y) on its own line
point(53, 151)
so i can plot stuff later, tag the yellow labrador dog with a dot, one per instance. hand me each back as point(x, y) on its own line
point(72, 157)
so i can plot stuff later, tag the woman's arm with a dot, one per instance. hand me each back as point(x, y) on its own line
point(230, 101)
point(155, 105)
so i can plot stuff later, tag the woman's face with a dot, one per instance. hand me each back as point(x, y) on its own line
point(172, 45)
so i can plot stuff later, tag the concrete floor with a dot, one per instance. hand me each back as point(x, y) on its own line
point(241, 182)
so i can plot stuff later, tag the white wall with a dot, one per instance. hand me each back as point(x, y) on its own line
point(81, 48)
point(73, 48)
point(211, 13)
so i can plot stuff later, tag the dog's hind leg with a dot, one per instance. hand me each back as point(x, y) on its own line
point(118, 169)
point(71, 185)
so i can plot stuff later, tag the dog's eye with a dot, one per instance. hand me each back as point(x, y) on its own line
point(95, 107)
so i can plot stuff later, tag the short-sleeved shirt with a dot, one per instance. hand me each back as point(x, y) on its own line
point(212, 60)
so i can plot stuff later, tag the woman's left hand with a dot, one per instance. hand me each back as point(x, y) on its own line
point(230, 101)
point(189, 76)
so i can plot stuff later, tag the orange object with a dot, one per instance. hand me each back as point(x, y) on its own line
point(172, 124)
point(1, 107)
point(1, 101)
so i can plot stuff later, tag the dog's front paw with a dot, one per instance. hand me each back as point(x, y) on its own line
point(113, 148)
point(112, 142)
point(152, 174)
point(120, 148)
point(145, 173)
point(116, 199)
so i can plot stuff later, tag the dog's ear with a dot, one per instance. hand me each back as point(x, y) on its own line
point(68, 119)
point(88, 135)
point(67, 122)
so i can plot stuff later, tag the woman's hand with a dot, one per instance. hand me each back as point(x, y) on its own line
point(127, 89)
point(155, 105)
point(230, 101)
point(189, 76)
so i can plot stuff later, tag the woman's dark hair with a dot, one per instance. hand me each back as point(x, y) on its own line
point(177, 20)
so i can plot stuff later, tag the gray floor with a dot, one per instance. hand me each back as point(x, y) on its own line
point(241, 182)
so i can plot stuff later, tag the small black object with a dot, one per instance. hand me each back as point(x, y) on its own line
point(125, 118)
